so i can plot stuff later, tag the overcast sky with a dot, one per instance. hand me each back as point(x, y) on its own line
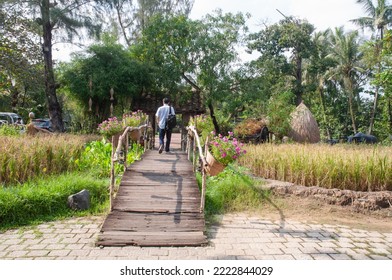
point(323, 14)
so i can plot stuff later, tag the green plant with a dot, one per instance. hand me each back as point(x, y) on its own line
point(203, 125)
point(134, 119)
point(232, 190)
point(225, 149)
point(9, 130)
point(46, 199)
point(110, 127)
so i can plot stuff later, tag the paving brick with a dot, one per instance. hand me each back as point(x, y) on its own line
point(59, 253)
point(38, 253)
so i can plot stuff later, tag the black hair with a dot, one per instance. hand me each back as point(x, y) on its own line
point(166, 100)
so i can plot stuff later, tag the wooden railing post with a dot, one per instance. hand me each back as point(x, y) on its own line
point(123, 142)
point(196, 144)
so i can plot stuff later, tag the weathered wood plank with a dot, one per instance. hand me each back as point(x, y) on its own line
point(157, 204)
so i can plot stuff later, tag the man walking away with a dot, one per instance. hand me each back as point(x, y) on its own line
point(162, 114)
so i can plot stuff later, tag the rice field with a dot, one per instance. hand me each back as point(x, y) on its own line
point(24, 158)
point(342, 166)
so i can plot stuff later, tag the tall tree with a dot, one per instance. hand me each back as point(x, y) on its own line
point(20, 58)
point(346, 54)
point(132, 16)
point(287, 44)
point(58, 20)
point(378, 18)
point(317, 72)
point(197, 54)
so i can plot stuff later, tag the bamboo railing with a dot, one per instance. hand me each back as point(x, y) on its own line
point(193, 144)
point(120, 146)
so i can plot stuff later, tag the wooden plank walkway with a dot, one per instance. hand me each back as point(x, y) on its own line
point(157, 204)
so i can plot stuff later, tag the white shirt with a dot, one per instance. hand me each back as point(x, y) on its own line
point(162, 114)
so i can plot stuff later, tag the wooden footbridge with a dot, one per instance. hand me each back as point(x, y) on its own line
point(158, 203)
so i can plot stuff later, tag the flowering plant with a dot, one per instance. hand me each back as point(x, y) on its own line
point(134, 119)
point(110, 127)
point(226, 149)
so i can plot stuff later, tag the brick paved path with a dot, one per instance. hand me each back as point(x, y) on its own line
point(239, 236)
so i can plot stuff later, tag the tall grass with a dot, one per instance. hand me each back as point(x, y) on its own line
point(353, 167)
point(25, 158)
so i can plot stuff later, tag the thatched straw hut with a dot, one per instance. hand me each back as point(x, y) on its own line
point(303, 127)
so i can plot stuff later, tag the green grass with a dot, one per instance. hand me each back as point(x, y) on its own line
point(232, 190)
point(46, 199)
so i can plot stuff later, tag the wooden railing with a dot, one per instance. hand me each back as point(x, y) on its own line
point(120, 146)
point(193, 144)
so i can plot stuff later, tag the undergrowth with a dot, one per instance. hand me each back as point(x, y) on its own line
point(45, 199)
point(232, 190)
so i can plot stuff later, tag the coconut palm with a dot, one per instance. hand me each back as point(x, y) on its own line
point(378, 19)
point(317, 71)
point(345, 52)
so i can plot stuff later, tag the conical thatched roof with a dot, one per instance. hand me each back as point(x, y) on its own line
point(304, 128)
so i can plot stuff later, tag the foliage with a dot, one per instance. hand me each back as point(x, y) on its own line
point(106, 66)
point(110, 127)
point(134, 119)
point(9, 130)
point(279, 109)
point(96, 157)
point(198, 55)
point(132, 17)
point(342, 166)
point(45, 199)
point(232, 190)
point(203, 125)
point(285, 45)
point(225, 149)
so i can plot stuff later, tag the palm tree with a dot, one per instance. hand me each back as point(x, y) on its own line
point(317, 72)
point(345, 52)
point(379, 17)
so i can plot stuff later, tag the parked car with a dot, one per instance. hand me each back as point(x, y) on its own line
point(43, 123)
point(10, 118)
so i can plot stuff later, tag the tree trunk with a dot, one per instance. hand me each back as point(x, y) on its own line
point(373, 114)
point(351, 103)
point(390, 114)
point(321, 93)
point(53, 105)
point(213, 118)
point(374, 110)
point(14, 99)
point(298, 81)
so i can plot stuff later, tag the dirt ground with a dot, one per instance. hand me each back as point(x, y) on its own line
point(310, 210)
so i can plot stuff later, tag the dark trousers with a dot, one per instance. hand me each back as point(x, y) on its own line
point(162, 134)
